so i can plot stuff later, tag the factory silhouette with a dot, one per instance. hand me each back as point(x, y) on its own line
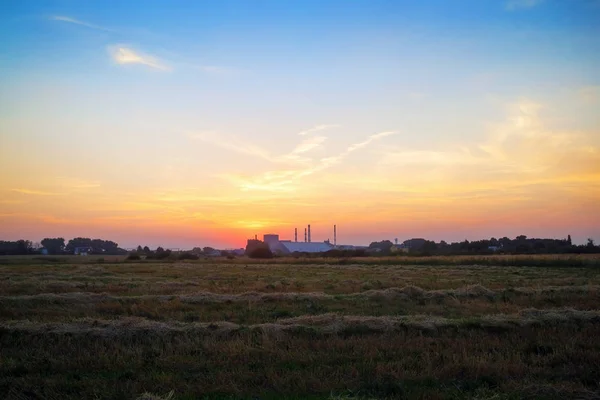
point(287, 246)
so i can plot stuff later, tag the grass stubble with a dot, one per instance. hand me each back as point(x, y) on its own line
point(218, 330)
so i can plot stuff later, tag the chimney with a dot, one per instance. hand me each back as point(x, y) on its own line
point(308, 233)
point(295, 234)
point(255, 237)
point(334, 236)
point(305, 235)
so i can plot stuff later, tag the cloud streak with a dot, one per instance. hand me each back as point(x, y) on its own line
point(318, 128)
point(124, 55)
point(70, 20)
point(231, 143)
point(36, 192)
point(283, 180)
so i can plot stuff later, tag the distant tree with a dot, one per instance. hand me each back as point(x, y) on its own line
point(139, 249)
point(261, 252)
point(78, 242)
point(54, 245)
point(208, 250)
point(161, 253)
point(384, 247)
point(428, 248)
point(16, 247)
point(590, 242)
point(197, 250)
point(147, 250)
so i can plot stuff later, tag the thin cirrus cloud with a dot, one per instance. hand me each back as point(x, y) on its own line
point(283, 180)
point(70, 20)
point(318, 128)
point(513, 5)
point(231, 143)
point(124, 55)
point(36, 192)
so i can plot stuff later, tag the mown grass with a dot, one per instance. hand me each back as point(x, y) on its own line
point(298, 329)
point(251, 308)
point(512, 260)
point(409, 363)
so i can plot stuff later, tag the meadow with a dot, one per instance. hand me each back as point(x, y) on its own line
point(508, 327)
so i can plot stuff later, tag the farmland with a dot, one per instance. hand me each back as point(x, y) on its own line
point(502, 328)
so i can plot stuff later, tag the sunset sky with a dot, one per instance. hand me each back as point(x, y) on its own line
point(196, 123)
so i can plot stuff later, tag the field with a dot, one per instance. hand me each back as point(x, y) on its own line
point(438, 328)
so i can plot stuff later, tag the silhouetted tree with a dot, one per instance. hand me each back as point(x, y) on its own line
point(261, 252)
point(54, 245)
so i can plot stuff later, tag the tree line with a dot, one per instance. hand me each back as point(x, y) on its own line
point(60, 246)
point(519, 245)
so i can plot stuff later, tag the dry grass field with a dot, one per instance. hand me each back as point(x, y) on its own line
point(378, 328)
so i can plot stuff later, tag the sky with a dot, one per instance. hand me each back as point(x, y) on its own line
point(203, 123)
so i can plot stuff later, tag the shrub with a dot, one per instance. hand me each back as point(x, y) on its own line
point(162, 255)
point(261, 252)
point(188, 256)
point(133, 257)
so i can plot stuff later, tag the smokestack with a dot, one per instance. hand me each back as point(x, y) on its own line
point(334, 236)
point(255, 237)
point(305, 240)
point(295, 234)
point(308, 233)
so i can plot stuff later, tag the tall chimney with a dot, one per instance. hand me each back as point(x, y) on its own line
point(305, 240)
point(334, 236)
point(308, 233)
point(295, 234)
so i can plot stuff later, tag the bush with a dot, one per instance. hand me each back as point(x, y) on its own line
point(188, 256)
point(133, 257)
point(261, 252)
point(162, 255)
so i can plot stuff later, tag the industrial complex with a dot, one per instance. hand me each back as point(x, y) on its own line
point(280, 246)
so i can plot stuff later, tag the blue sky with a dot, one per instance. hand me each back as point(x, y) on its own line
point(205, 101)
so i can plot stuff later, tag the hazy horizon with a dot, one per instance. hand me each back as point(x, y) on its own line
point(188, 124)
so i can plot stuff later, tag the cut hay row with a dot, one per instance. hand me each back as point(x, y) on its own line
point(318, 324)
point(407, 292)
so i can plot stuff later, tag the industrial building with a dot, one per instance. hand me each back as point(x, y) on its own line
point(279, 246)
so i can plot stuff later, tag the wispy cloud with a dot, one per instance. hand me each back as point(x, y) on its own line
point(124, 55)
point(63, 18)
point(231, 143)
point(283, 180)
point(76, 183)
point(512, 5)
point(318, 128)
point(36, 192)
point(300, 163)
point(523, 146)
point(308, 145)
